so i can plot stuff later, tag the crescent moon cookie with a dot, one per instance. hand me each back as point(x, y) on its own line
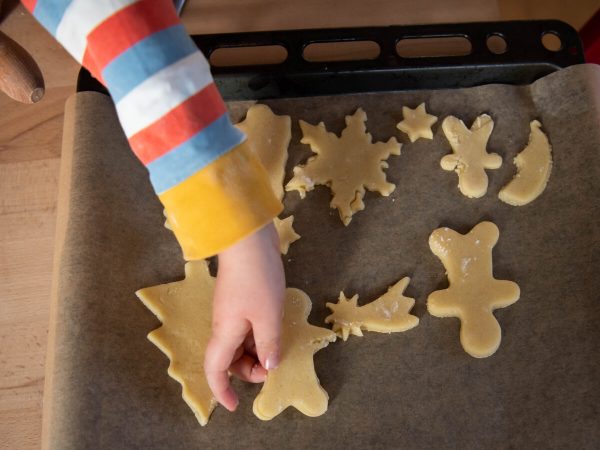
point(470, 157)
point(347, 164)
point(294, 382)
point(473, 293)
point(185, 310)
point(387, 314)
point(417, 123)
point(534, 165)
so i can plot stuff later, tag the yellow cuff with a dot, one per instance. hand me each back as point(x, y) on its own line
point(222, 203)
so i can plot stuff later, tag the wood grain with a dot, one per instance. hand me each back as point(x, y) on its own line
point(20, 76)
point(30, 142)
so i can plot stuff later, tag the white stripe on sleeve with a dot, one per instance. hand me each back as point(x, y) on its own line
point(165, 90)
point(82, 17)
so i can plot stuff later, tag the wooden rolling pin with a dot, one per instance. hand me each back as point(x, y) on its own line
point(20, 76)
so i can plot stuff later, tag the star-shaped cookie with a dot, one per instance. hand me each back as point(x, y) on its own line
point(286, 232)
point(387, 314)
point(417, 123)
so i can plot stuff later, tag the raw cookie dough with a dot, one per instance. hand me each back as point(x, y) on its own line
point(389, 313)
point(269, 136)
point(417, 123)
point(294, 382)
point(470, 158)
point(473, 292)
point(185, 310)
point(347, 164)
point(286, 232)
point(534, 165)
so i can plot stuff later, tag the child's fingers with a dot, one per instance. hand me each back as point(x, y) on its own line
point(248, 369)
point(267, 335)
point(226, 338)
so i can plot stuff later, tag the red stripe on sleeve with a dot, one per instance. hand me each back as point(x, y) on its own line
point(124, 29)
point(178, 125)
point(29, 4)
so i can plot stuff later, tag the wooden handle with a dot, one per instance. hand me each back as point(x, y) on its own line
point(20, 77)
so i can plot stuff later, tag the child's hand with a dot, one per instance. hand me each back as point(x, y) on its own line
point(247, 313)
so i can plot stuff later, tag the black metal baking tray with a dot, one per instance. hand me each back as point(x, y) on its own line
point(525, 60)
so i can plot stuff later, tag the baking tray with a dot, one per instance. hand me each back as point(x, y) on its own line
point(109, 386)
point(525, 60)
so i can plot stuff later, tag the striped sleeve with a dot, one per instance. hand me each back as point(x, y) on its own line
point(214, 190)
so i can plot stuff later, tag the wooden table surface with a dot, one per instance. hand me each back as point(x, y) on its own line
point(30, 142)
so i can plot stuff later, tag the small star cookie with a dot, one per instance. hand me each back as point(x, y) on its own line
point(294, 382)
point(286, 232)
point(417, 123)
point(347, 164)
point(185, 310)
point(534, 165)
point(473, 292)
point(470, 158)
point(388, 314)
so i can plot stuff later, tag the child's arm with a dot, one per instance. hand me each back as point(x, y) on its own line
point(215, 192)
point(248, 298)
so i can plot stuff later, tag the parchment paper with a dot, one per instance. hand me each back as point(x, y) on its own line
point(108, 385)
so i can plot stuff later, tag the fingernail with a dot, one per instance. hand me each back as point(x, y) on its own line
point(272, 361)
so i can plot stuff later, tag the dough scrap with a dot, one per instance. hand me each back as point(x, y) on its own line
point(268, 136)
point(185, 310)
point(534, 165)
point(473, 292)
point(286, 232)
point(417, 123)
point(347, 164)
point(388, 314)
point(294, 382)
point(470, 158)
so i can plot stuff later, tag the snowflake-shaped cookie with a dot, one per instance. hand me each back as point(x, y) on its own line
point(347, 164)
point(417, 123)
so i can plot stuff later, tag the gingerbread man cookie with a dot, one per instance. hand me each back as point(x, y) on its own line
point(417, 123)
point(185, 310)
point(388, 314)
point(470, 157)
point(294, 382)
point(473, 292)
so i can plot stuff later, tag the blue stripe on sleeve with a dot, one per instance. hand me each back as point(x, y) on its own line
point(147, 57)
point(194, 154)
point(50, 12)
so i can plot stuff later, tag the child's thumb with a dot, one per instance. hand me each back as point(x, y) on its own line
point(267, 337)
